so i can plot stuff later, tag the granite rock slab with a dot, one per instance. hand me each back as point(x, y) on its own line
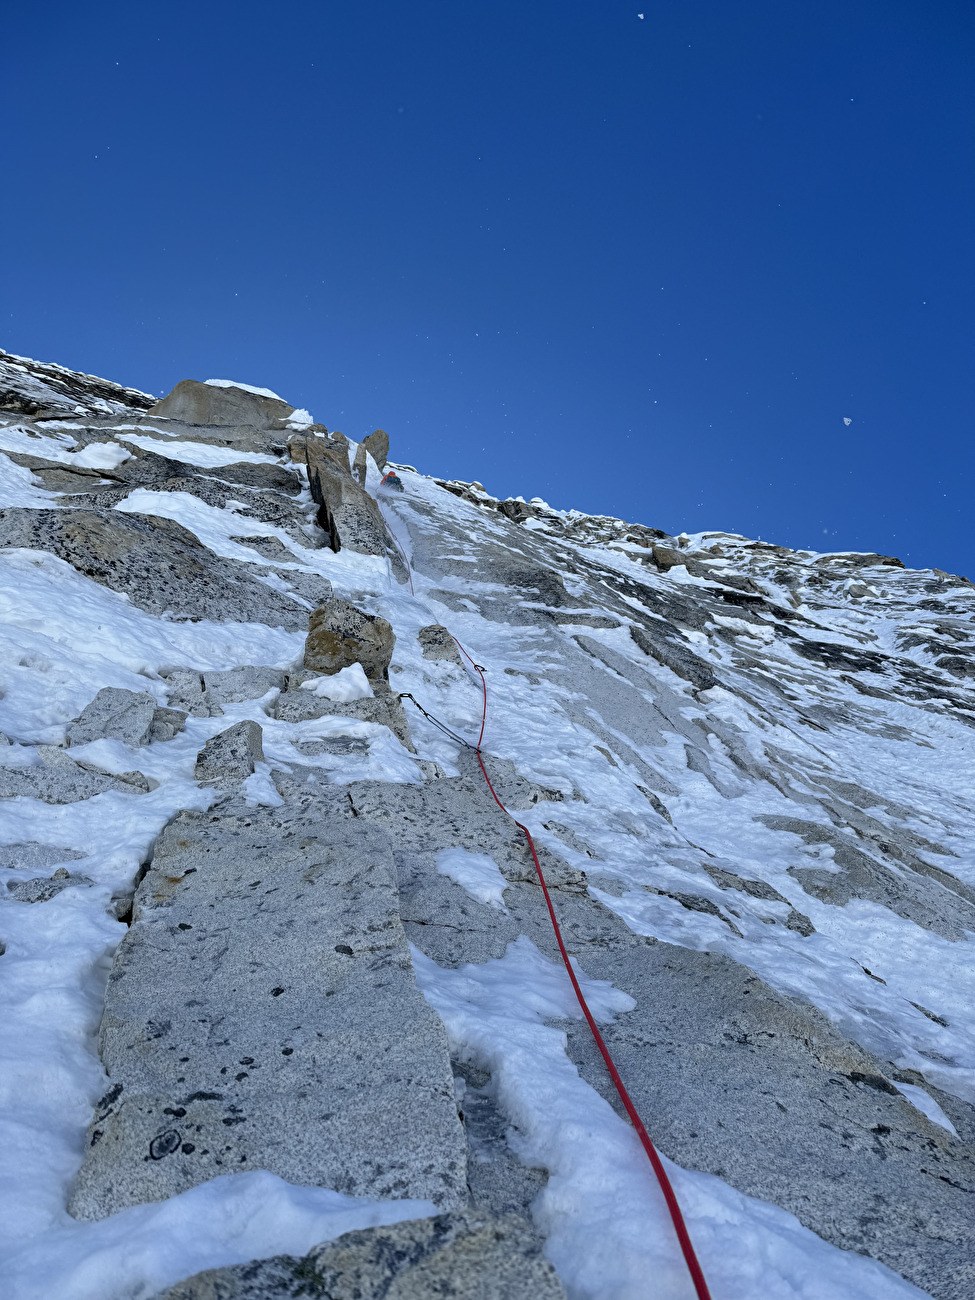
point(262, 1014)
point(160, 565)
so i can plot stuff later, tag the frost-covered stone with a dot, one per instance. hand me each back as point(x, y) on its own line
point(230, 756)
point(58, 783)
point(35, 857)
point(29, 387)
point(383, 709)
point(160, 565)
point(344, 686)
point(167, 723)
point(188, 693)
point(460, 1256)
point(133, 717)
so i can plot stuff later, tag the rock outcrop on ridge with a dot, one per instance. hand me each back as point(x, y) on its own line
point(746, 770)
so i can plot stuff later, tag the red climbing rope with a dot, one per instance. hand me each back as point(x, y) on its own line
point(670, 1196)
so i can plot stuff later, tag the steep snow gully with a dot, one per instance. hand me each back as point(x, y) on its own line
point(283, 1013)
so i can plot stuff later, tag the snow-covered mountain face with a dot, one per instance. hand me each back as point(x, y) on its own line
point(335, 1001)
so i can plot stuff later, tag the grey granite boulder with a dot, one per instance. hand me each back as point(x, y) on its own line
point(188, 693)
point(192, 402)
point(133, 717)
point(33, 856)
point(262, 1013)
point(116, 713)
point(340, 635)
point(437, 643)
point(58, 779)
point(230, 755)
point(461, 1256)
point(166, 723)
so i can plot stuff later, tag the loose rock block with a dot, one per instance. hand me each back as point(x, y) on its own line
point(193, 402)
point(116, 713)
point(385, 710)
point(248, 683)
point(230, 756)
point(166, 723)
point(437, 643)
point(340, 635)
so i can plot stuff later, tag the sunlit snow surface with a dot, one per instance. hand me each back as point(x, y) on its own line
point(606, 1221)
point(246, 388)
point(198, 453)
point(477, 873)
point(64, 637)
point(58, 446)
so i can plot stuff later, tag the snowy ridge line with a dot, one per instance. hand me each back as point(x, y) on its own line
point(51, 367)
point(62, 378)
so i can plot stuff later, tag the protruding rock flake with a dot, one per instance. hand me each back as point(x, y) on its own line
point(231, 755)
point(284, 1013)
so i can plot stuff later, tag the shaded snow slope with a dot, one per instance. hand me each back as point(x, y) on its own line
point(748, 769)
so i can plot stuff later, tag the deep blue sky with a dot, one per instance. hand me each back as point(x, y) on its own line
point(637, 266)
